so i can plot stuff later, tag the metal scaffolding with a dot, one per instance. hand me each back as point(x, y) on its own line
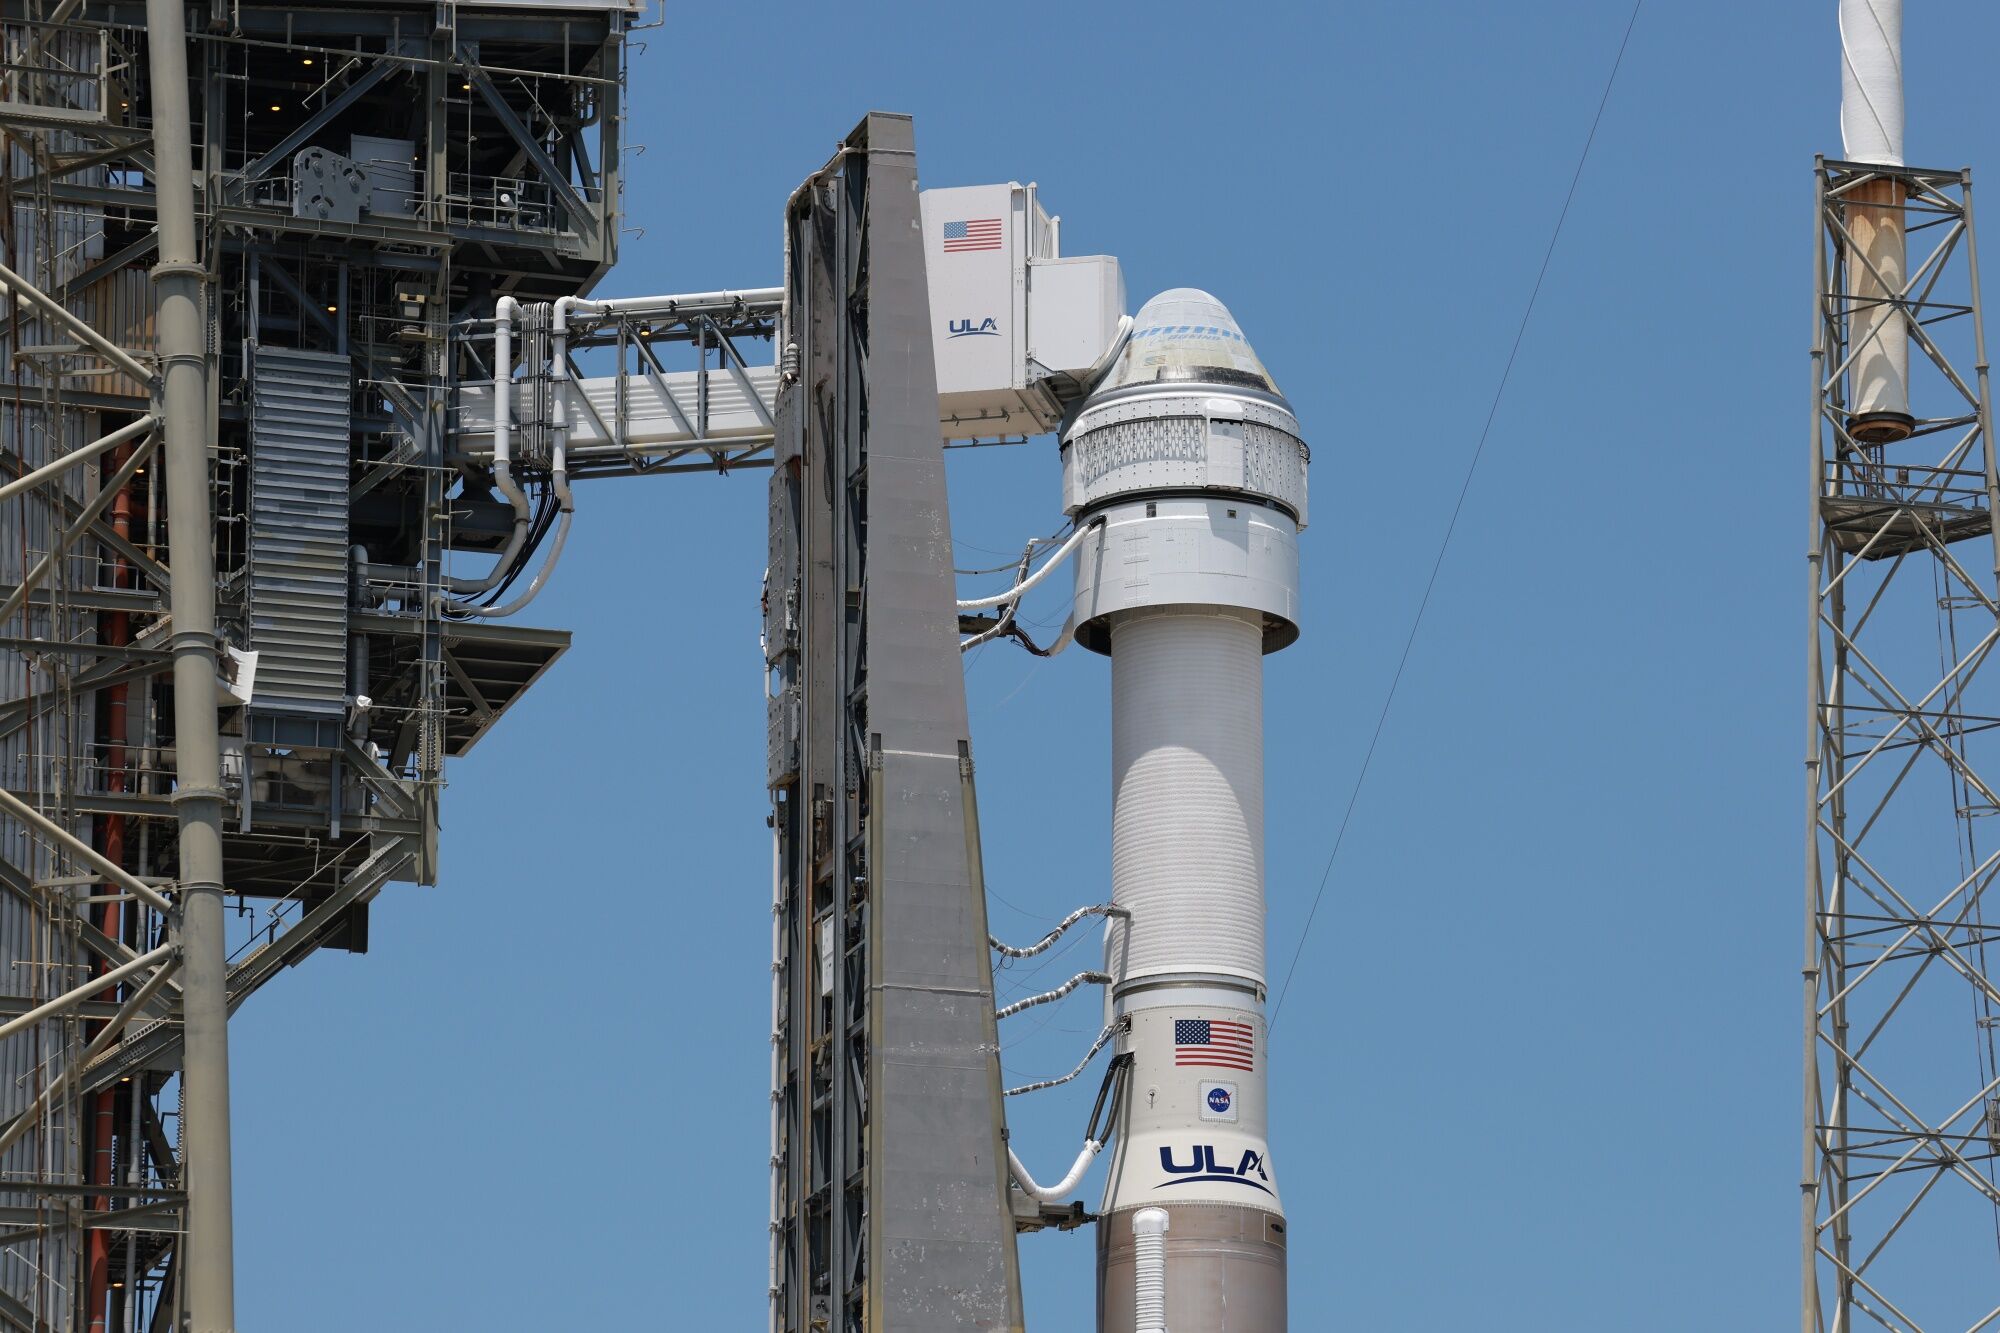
point(1901, 1202)
point(235, 654)
point(257, 537)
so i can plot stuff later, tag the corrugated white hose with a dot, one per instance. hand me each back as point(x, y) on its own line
point(1871, 81)
point(1149, 1271)
point(1020, 590)
point(1110, 1029)
point(1051, 996)
point(1053, 1193)
point(1187, 823)
point(1062, 926)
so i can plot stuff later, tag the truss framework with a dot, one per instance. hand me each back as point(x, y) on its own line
point(508, 126)
point(1900, 1213)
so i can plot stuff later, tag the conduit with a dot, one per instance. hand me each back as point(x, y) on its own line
point(1081, 1065)
point(117, 630)
point(1054, 1193)
point(1040, 945)
point(505, 312)
point(1021, 587)
point(1049, 997)
point(559, 465)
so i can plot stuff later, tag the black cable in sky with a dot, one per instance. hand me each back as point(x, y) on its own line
point(1423, 603)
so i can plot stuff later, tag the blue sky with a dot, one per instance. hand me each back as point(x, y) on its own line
point(1539, 1069)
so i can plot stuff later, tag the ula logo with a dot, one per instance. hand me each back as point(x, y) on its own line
point(1203, 1166)
point(965, 328)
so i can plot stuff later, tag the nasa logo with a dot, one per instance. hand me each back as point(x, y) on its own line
point(965, 328)
point(1218, 1100)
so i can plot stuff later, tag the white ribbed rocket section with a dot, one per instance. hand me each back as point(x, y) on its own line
point(1871, 130)
point(1871, 81)
point(1187, 830)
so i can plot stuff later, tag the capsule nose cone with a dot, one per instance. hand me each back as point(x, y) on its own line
point(1186, 336)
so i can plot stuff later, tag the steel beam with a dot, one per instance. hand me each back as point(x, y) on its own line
point(1902, 633)
point(209, 1248)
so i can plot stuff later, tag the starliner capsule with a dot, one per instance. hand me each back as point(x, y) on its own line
point(1190, 464)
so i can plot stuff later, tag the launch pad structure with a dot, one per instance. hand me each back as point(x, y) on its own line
point(394, 209)
point(234, 662)
point(298, 316)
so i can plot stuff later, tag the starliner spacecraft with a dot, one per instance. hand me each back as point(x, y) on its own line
point(1186, 470)
point(1184, 477)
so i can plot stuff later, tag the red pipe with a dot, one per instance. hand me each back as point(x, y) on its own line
point(117, 630)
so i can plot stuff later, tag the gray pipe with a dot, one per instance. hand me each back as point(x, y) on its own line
point(209, 1250)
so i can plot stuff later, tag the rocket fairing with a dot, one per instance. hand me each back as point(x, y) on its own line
point(1193, 461)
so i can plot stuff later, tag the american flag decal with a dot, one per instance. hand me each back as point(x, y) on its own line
point(1213, 1043)
point(975, 234)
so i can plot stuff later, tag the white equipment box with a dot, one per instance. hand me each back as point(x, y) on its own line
point(1016, 327)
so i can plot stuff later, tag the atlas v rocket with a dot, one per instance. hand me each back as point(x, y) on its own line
point(1187, 469)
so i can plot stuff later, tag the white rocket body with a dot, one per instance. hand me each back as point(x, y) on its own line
point(1871, 131)
point(1193, 461)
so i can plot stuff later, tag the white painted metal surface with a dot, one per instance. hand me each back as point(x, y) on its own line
point(1011, 320)
point(1871, 81)
point(1871, 130)
point(1150, 1226)
point(653, 422)
point(1193, 462)
point(1187, 822)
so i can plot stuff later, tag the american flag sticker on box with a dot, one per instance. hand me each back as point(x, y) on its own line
point(972, 234)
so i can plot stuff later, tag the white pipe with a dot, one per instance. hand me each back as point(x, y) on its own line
point(74, 324)
point(83, 851)
point(559, 466)
point(69, 460)
point(1020, 589)
point(1149, 1305)
point(1054, 1193)
point(95, 986)
point(1871, 81)
point(505, 311)
point(686, 303)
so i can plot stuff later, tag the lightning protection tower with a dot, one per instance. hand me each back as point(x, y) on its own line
point(1900, 1212)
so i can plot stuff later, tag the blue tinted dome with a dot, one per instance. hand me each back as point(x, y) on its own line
point(1186, 336)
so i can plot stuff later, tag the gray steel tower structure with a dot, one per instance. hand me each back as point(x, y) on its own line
point(1900, 1204)
point(233, 662)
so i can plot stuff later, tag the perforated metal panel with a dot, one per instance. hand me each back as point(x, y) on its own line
point(1172, 443)
point(298, 531)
